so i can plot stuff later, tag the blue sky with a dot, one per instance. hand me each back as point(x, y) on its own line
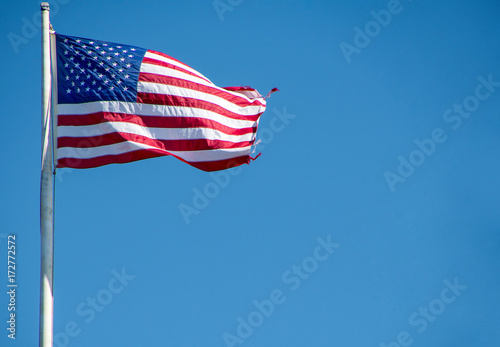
point(370, 219)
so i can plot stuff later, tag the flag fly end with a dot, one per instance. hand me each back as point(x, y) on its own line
point(270, 92)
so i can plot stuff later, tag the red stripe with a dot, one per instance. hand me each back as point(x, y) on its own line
point(178, 82)
point(172, 100)
point(153, 61)
point(221, 164)
point(77, 163)
point(166, 122)
point(165, 145)
point(145, 154)
point(169, 57)
point(235, 89)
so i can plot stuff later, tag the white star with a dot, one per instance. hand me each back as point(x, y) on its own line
point(82, 83)
point(124, 51)
point(103, 52)
point(101, 63)
point(100, 75)
point(84, 46)
point(122, 59)
point(110, 48)
point(125, 88)
point(128, 65)
point(113, 76)
point(89, 64)
point(78, 41)
point(119, 82)
point(87, 89)
point(68, 91)
point(67, 78)
point(97, 47)
point(65, 40)
point(71, 71)
point(118, 46)
point(120, 70)
point(132, 49)
point(93, 83)
point(126, 76)
point(77, 65)
point(89, 52)
point(99, 88)
point(130, 56)
point(104, 44)
point(108, 58)
point(107, 69)
point(106, 81)
point(116, 53)
point(88, 76)
point(66, 65)
point(72, 58)
point(66, 52)
point(91, 42)
point(78, 90)
point(72, 84)
point(77, 53)
point(112, 87)
point(77, 77)
point(114, 64)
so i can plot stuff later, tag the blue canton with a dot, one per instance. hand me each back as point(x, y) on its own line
point(92, 70)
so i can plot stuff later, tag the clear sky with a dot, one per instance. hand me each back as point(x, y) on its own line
point(371, 218)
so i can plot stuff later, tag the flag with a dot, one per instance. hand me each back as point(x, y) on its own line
point(118, 103)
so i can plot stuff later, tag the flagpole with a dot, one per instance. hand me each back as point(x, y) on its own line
point(46, 193)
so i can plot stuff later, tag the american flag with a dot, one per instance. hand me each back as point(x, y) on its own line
point(119, 103)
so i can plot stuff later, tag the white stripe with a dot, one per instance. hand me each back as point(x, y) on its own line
point(125, 147)
point(152, 133)
point(94, 152)
point(155, 88)
point(151, 110)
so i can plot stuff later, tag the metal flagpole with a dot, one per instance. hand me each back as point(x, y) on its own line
point(46, 193)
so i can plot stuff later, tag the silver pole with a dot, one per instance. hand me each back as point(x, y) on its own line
point(46, 194)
